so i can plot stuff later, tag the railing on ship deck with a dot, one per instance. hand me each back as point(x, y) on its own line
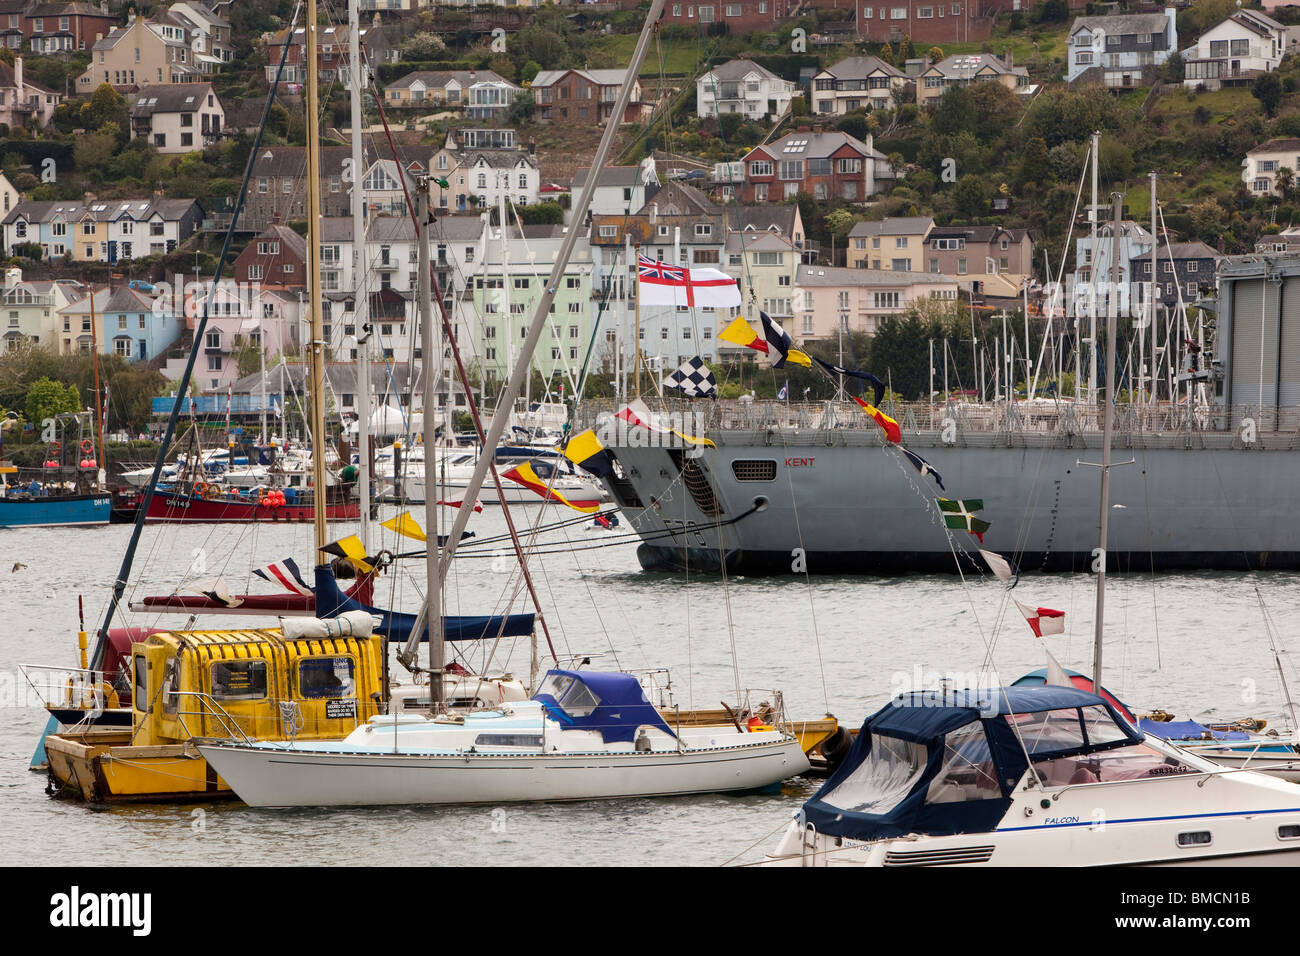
point(1039, 418)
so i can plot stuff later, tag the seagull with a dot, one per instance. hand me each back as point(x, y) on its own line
point(18, 566)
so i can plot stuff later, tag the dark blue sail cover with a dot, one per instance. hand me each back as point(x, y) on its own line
point(331, 602)
point(914, 726)
point(610, 702)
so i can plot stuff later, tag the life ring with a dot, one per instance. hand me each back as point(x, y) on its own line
point(212, 491)
point(200, 489)
point(87, 448)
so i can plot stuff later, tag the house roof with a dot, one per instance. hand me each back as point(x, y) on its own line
point(1257, 22)
point(68, 10)
point(599, 77)
point(439, 79)
point(291, 161)
point(1122, 24)
point(967, 65)
point(101, 210)
point(169, 98)
point(739, 69)
point(8, 81)
point(762, 218)
point(977, 233)
point(609, 176)
point(807, 145)
point(1194, 249)
point(1282, 145)
point(893, 226)
point(838, 276)
point(293, 242)
point(679, 199)
point(854, 67)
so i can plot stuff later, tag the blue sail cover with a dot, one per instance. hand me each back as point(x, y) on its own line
point(331, 602)
point(610, 702)
point(914, 727)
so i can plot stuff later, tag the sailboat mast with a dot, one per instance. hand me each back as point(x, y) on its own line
point(521, 368)
point(360, 298)
point(1092, 276)
point(430, 365)
point(1107, 424)
point(313, 285)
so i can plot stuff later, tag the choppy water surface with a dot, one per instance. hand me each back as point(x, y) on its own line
point(1193, 644)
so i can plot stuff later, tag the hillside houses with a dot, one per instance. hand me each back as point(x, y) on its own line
point(105, 231)
point(824, 165)
point(1236, 51)
point(743, 87)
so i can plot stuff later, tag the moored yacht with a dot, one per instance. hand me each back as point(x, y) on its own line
point(584, 735)
point(1022, 776)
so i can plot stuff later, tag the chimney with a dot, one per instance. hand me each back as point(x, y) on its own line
point(654, 213)
point(88, 198)
point(158, 195)
point(1010, 57)
point(532, 146)
point(803, 129)
point(817, 128)
point(18, 77)
point(871, 142)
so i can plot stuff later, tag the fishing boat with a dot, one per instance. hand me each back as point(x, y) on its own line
point(67, 490)
point(212, 503)
point(1034, 776)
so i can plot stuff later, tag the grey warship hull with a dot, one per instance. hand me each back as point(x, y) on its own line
point(842, 501)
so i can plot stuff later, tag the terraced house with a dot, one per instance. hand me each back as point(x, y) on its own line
point(103, 230)
point(64, 27)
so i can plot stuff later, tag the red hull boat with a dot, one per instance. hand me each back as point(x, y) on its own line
point(176, 508)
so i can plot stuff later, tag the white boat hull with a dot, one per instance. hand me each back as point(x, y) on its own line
point(263, 777)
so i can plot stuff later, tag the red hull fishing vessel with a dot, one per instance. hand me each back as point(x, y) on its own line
point(213, 504)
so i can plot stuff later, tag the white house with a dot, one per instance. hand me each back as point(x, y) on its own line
point(1260, 167)
point(620, 190)
point(177, 117)
point(1236, 51)
point(744, 87)
point(1122, 50)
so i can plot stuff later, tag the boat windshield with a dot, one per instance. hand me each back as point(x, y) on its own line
point(887, 775)
point(1135, 762)
point(967, 771)
point(573, 696)
point(1053, 732)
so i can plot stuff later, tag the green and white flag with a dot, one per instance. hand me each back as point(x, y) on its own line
point(959, 515)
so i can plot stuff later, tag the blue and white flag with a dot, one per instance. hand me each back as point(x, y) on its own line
point(785, 390)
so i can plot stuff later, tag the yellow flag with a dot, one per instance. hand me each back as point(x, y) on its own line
point(352, 549)
point(407, 526)
point(798, 358)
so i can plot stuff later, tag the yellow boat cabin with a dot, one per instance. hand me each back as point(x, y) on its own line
point(320, 680)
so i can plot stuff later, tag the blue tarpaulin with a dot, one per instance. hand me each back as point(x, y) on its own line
point(610, 702)
point(1187, 730)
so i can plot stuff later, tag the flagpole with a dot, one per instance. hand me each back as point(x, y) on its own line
point(428, 365)
point(636, 337)
point(1107, 414)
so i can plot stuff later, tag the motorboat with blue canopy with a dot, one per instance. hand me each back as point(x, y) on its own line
point(947, 762)
point(612, 703)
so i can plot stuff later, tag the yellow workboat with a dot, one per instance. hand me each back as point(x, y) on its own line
point(256, 684)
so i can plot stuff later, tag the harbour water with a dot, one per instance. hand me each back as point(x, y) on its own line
point(1194, 644)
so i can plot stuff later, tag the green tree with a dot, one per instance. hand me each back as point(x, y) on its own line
point(970, 198)
point(1268, 90)
point(47, 398)
point(905, 49)
point(887, 54)
point(935, 54)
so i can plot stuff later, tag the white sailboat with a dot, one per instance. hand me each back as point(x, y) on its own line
point(1037, 775)
point(583, 735)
